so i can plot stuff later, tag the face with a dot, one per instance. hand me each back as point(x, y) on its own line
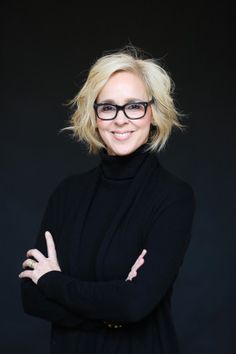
point(121, 135)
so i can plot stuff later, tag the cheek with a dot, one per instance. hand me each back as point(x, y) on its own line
point(99, 125)
point(145, 125)
point(102, 128)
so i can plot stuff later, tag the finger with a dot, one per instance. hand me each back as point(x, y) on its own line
point(139, 264)
point(35, 254)
point(131, 275)
point(29, 263)
point(144, 252)
point(50, 246)
point(128, 278)
point(26, 263)
point(26, 274)
point(136, 262)
point(140, 258)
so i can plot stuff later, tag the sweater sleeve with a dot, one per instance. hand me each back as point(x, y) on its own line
point(130, 301)
point(34, 301)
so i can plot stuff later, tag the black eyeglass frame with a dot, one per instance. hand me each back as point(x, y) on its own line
point(122, 108)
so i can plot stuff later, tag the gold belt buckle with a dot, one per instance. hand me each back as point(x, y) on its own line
point(112, 325)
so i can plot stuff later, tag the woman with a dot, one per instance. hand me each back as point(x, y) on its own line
point(115, 236)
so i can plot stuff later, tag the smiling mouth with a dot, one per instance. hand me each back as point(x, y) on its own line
point(122, 135)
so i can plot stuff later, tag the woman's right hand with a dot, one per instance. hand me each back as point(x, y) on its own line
point(139, 262)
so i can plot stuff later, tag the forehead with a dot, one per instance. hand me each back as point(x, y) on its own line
point(123, 84)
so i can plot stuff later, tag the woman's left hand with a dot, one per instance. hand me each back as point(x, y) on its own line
point(41, 265)
point(139, 262)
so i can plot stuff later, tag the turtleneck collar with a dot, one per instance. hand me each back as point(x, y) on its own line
point(117, 167)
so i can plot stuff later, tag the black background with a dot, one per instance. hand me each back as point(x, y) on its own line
point(46, 53)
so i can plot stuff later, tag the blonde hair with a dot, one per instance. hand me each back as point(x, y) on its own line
point(158, 84)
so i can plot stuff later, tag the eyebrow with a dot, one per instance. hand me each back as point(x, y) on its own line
point(127, 100)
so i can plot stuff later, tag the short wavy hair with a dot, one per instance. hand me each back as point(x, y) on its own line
point(159, 86)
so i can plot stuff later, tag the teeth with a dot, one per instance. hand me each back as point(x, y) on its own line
point(122, 134)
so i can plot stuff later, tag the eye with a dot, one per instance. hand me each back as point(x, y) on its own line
point(107, 108)
point(135, 107)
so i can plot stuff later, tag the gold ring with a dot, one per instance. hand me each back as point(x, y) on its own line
point(32, 262)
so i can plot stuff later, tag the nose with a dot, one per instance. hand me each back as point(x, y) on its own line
point(121, 118)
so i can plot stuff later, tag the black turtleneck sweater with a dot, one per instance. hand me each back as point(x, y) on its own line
point(117, 174)
point(100, 221)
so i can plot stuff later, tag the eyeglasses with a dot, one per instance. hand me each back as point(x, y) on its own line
point(134, 110)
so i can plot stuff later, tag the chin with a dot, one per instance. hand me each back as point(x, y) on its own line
point(122, 150)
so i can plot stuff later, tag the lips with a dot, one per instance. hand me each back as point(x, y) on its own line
point(122, 135)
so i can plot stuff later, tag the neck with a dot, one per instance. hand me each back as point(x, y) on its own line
point(122, 167)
